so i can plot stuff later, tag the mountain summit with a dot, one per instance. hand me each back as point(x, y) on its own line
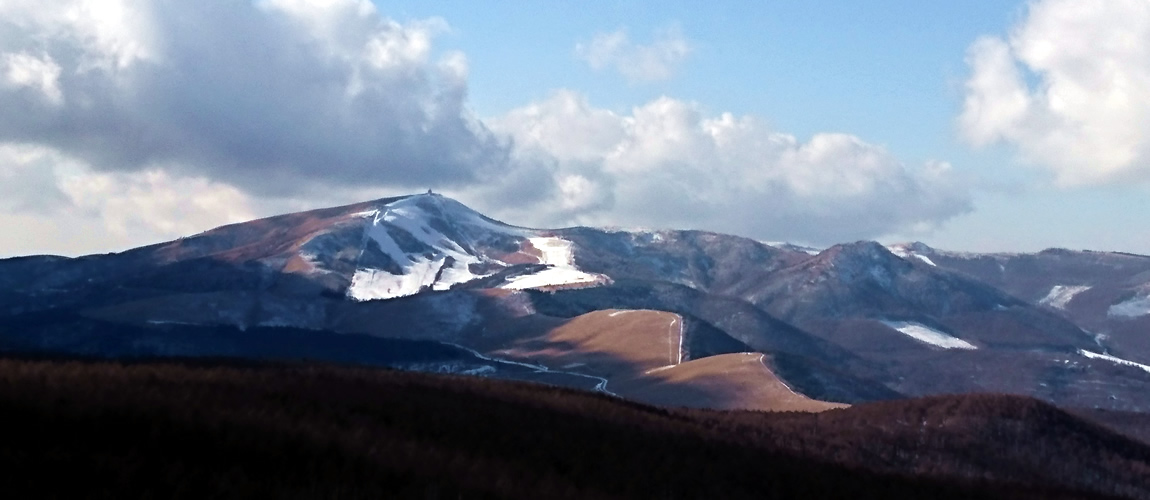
point(388, 248)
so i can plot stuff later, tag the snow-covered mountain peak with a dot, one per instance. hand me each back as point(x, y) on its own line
point(443, 213)
point(914, 250)
point(793, 247)
point(911, 247)
point(429, 241)
point(859, 251)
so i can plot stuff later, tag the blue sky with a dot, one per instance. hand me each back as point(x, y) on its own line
point(891, 72)
point(974, 125)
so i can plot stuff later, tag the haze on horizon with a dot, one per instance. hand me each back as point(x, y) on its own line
point(982, 126)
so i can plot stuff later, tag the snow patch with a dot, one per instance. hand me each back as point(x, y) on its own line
point(782, 245)
point(1060, 295)
point(446, 264)
point(906, 253)
point(1137, 306)
point(561, 270)
point(552, 276)
point(556, 251)
point(899, 250)
point(929, 335)
point(1112, 359)
point(370, 284)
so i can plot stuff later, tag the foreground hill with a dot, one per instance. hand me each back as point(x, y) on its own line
point(211, 430)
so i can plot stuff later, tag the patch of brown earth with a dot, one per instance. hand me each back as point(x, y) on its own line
point(616, 344)
point(527, 254)
point(640, 352)
point(724, 382)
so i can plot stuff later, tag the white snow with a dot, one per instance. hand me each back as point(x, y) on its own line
point(925, 259)
point(1112, 359)
point(561, 270)
point(552, 276)
point(929, 335)
point(556, 251)
point(418, 271)
point(907, 253)
point(369, 284)
point(1137, 306)
point(1060, 295)
point(899, 250)
point(782, 245)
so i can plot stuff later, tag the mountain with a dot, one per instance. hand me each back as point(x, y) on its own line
point(1107, 293)
point(670, 317)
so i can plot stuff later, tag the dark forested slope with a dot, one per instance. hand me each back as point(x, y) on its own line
point(228, 430)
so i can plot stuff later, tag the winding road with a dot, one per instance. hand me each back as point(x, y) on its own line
point(601, 386)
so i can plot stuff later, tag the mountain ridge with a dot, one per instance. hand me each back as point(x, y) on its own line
point(851, 323)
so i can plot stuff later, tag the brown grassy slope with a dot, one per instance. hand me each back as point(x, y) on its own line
point(166, 430)
point(723, 382)
point(640, 352)
point(610, 343)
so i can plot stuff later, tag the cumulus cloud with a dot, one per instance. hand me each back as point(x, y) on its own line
point(264, 95)
point(638, 63)
point(126, 122)
point(668, 164)
point(1069, 88)
point(48, 200)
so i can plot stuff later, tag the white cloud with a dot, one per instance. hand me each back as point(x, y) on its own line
point(1069, 88)
point(28, 182)
point(667, 164)
point(39, 73)
point(129, 122)
point(267, 96)
point(154, 205)
point(49, 202)
point(638, 63)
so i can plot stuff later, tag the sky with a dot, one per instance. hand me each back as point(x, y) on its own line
point(974, 126)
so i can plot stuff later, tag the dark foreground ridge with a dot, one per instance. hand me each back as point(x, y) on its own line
point(207, 429)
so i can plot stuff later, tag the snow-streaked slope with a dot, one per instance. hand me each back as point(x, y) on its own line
point(928, 335)
point(1060, 295)
point(443, 262)
point(1132, 308)
point(782, 245)
point(909, 251)
point(429, 242)
point(561, 270)
point(1112, 359)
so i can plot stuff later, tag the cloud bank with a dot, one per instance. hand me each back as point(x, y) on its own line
point(1069, 88)
point(264, 95)
point(669, 164)
point(125, 122)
